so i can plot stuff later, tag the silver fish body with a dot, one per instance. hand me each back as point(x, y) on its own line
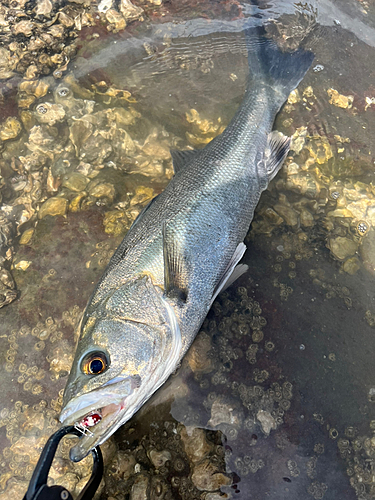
point(180, 252)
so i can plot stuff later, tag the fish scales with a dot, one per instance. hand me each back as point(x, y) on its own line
point(182, 250)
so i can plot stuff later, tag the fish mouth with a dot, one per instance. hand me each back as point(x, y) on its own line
point(96, 415)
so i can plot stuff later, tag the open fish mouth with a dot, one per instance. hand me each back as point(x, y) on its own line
point(95, 426)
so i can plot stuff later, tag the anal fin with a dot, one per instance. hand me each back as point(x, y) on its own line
point(232, 271)
point(175, 267)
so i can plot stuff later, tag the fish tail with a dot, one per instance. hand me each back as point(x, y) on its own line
point(281, 70)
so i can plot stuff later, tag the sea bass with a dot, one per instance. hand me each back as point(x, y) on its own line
point(180, 252)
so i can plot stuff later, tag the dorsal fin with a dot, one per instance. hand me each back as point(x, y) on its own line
point(181, 158)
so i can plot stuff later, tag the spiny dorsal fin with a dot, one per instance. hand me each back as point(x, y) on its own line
point(181, 158)
point(175, 267)
point(277, 150)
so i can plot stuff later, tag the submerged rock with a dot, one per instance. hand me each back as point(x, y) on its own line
point(342, 247)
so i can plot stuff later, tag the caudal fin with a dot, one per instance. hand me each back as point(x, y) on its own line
point(281, 70)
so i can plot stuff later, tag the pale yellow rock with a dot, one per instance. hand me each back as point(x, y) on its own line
point(342, 247)
point(10, 129)
point(116, 222)
point(289, 215)
point(26, 236)
point(266, 421)
point(195, 443)
point(22, 265)
point(206, 477)
point(50, 113)
point(339, 100)
point(306, 218)
point(142, 194)
point(75, 182)
point(53, 206)
point(75, 204)
point(294, 97)
point(352, 265)
point(114, 17)
point(103, 190)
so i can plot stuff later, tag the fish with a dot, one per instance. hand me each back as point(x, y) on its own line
point(183, 249)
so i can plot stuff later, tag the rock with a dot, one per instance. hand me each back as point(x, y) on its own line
point(196, 445)
point(342, 247)
point(129, 11)
point(22, 265)
point(142, 194)
point(102, 190)
point(266, 421)
point(367, 250)
point(43, 8)
point(223, 413)
point(75, 182)
point(197, 356)
point(26, 236)
point(10, 129)
point(351, 266)
point(53, 206)
point(139, 488)
point(49, 113)
point(289, 215)
point(6, 64)
point(116, 222)
point(123, 465)
point(339, 100)
point(158, 458)
point(207, 478)
point(306, 218)
point(114, 17)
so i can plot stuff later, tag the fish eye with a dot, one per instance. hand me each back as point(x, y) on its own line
point(95, 363)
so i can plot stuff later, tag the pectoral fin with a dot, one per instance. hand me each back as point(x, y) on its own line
point(175, 266)
point(232, 271)
point(181, 158)
point(277, 150)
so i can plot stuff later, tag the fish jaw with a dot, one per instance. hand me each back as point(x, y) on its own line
point(98, 414)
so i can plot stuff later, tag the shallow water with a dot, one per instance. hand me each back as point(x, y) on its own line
point(276, 397)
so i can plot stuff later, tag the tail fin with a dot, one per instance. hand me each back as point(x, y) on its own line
point(281, 70)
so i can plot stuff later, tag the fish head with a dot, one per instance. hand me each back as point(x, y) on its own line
point(129, 343)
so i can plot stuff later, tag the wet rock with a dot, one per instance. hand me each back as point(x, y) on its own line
point(207, 478)
point(266, 421)
point(306, 218)
point(351, 266)
point(116, 222)
point(102, 190)
point(6, 64)
point(53, 206)
point(43, 8)
point(342, 247)
point(123, 465)
point(26, 236)
point(10, 129)
point(22, 265)
point(289, 215)
point(8, 291)
point(142, 194)
point(367, 250)
point(197, 356)
point(223, 413)
point(140, 488)
point(79, 132)
point(129, 11)
point(158, 458)
point(195, 443)
point(339, 100)
point(75, 182)
point(114, 17)
point(49, 113)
